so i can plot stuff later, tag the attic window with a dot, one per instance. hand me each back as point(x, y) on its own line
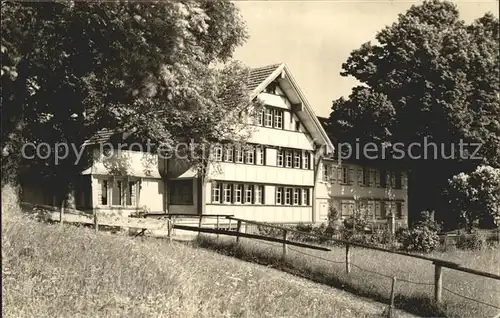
point(271, 88)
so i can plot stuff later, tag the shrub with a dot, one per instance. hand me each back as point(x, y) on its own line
point(422, 237)
point(383, 237)
point(269, 231)
point(471, 242)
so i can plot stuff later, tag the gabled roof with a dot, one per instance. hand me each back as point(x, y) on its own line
point(260, 74)
point(282, 72)
point(259, 78)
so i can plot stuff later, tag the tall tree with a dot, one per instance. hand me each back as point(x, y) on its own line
point(430, 76)
point(71, 68)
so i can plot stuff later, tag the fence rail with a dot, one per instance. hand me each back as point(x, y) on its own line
point(439, 264)
point(169, 221)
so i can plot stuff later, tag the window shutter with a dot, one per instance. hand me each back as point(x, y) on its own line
point(370, 178)
point(351, 175)
point(377, 210)
point(377, 178)
point(333, 174)
point(339, 174)
point(360, 176)
point(404, 180)
point(99, 192)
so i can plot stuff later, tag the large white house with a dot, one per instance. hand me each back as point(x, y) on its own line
point(281, 178)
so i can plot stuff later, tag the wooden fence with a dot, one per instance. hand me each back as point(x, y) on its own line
point(157, 221)
point(439, 264)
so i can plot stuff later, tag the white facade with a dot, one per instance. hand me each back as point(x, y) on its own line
point(279, 177)
point(376, 193)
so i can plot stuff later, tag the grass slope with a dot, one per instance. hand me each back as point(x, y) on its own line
point(367, 265)
point(55, 271)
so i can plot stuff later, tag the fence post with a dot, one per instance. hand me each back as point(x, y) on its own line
point(173, 229)
point(347, 259)
point(217, 228)
point(200, 223)
point(393, 291)
point(238, 229)
point(285, 248)
point(169, 229)
point(96, 223)
point(438, 282)
point(61, 213)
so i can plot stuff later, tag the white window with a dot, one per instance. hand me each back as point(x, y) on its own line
point(383, 178)
point(305, 160)
point(104, 192)
point(360, 176)
point(296, 196)
point(333, 174)
point(131, 193)
point(288, 156)
point(305, 196)
point(296, 159)
point(399, 210)
point(325, 172)
point(279, 160)
point(228, 154)
point(366, 177)
point(260, 155)
point(268, 117)
point(238, 155)
point(345, 175)
point(228, 195)
point(117, 193)
point(288, 196)
point(122, 191)
point(238, 192)
point(216, 192)
point(260, 118)
point(218, 153)
point(279, 196)
point(278, 119)
point(383, 209)
point(259, 194)
point(249, 194)
point(397, 180)
point(250, 156)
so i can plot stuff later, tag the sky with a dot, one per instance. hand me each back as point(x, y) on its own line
point(314, 38)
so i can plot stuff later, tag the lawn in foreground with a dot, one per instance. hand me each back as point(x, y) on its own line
point(372, 273)
point(55, 271)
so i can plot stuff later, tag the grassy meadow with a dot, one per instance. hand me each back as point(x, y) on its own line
point(66, 271)
point(372, 271)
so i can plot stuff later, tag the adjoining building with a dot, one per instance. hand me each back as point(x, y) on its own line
point(286, 175)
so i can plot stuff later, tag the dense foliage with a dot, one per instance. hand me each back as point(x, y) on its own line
point(422, 236)
point(161, 69)
point(429, 78)
point(475, 197)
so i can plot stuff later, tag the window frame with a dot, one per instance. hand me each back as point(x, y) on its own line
point(216, 192)
point(280, 158)
point(288, 159)
point(278, 116)
point(297, 160)
point(229, 153)
point(268, 118)
point(279, 196)
point(249, 195)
